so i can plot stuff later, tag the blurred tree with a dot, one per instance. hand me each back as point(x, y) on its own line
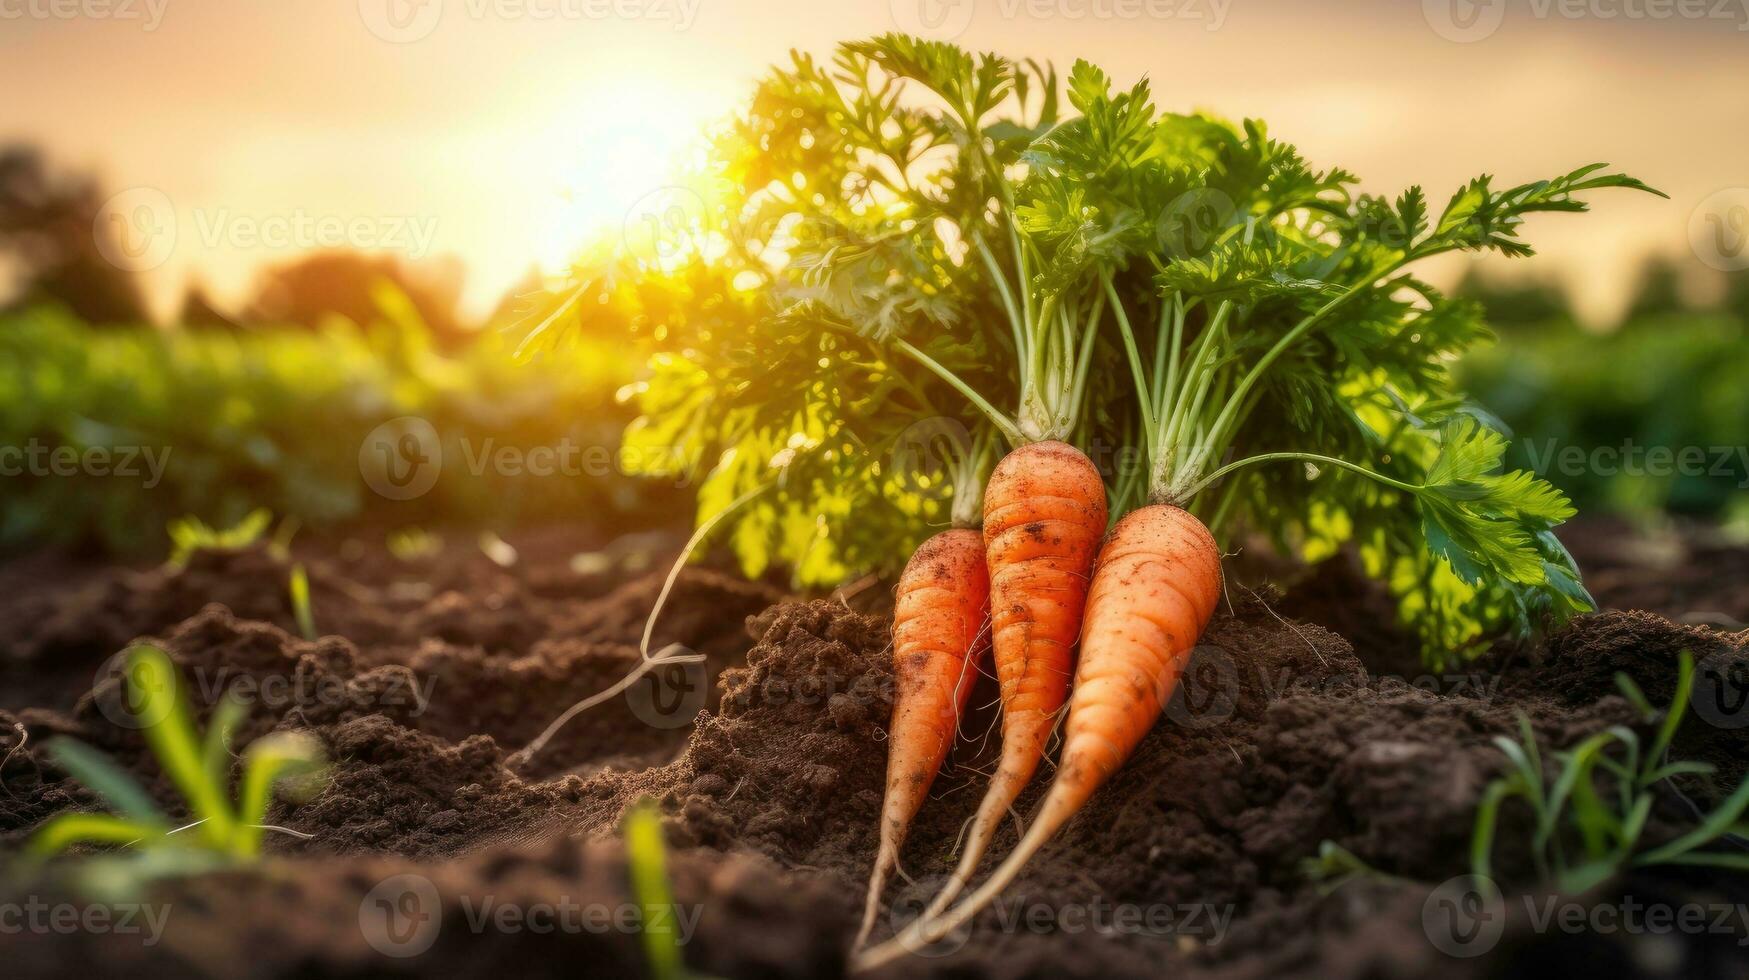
point(199, 312)
point(1659, 290)
point(310, 289)
point(1520, 303)
point(48, 235)
point(1737, 296)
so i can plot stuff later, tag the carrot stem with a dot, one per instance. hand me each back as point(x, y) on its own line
point(1002, 422)
point(1206, 481)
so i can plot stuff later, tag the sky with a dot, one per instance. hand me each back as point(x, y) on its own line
point(504, 133)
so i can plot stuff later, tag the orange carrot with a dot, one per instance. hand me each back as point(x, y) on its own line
point(1044, 514)
point(1156, 585)
point(938, 634)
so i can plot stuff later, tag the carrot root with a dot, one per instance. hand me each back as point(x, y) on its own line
point(938, 625)
point(1044, 516)
point(1155, 589)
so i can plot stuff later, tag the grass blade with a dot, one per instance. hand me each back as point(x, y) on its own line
point(102, 776)
point(647, 861)
point(176, 743)
point(266, 762)
point(216, 753)
point(300, 599)
point(77, 828)
point(1717, 824)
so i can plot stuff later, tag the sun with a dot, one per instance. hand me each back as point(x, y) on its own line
point(607, 154)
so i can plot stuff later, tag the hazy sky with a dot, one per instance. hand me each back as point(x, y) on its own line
point(502, 131)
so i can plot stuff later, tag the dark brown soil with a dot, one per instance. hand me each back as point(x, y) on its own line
point(1190, 862)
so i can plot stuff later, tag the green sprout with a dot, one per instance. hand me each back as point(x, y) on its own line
point(414, 544)
point(191, 534)
point(1585, 834)
point(300, 599)
point(647, 861)
point(199, 766)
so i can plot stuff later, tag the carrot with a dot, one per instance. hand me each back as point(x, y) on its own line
point(1044, 514)
point(938, 634)
point(1156, 585)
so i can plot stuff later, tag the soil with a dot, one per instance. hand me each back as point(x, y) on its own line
point(1304, 723)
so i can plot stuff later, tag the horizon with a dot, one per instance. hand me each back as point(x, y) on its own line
point(506, 134)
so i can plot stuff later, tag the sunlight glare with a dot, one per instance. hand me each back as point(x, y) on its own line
point(604, 156)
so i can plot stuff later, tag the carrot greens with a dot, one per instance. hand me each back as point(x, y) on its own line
point(917, 233)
